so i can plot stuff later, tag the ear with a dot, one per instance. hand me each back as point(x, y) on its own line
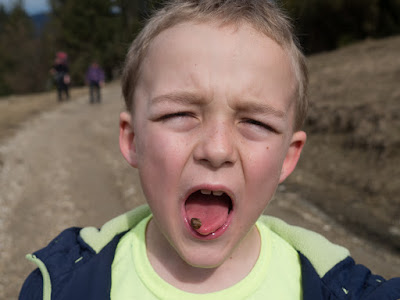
point(293, 154)
point(127, 139)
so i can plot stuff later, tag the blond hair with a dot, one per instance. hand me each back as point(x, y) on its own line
point(264, 15)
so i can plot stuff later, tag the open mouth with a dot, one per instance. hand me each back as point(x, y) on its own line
point(208, 211)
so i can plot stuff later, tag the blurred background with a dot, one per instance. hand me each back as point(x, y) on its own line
point(32, 31)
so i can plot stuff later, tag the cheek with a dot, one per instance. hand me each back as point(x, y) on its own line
point(160, 162)
point(262, 171)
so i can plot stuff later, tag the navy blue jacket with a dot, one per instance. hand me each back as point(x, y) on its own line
point(71, 269)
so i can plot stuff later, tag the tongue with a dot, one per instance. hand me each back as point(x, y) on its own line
point(212, 211)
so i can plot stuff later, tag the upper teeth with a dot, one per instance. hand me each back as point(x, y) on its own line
point(215, 193)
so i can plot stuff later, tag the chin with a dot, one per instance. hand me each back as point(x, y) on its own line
point(205, 264)
point(204, 258)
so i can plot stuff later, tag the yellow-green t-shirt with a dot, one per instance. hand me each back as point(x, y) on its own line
point(276, 274)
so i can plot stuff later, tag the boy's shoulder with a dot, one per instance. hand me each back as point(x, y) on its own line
point(328, 271)
point(323, 254)
point(76, 244)
point(77, 263)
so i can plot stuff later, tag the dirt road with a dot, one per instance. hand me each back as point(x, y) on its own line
point(63, 168)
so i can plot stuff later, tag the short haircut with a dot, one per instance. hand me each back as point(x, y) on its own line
point(263, 15)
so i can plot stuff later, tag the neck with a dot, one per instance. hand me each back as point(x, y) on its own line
point(174, 270)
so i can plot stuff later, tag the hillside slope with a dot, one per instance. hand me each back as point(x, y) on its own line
point(350, 166)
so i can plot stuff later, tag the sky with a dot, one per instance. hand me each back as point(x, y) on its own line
point(31, 6)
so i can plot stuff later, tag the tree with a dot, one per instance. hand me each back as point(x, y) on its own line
point(19, 59)
point(326, 25)
point(88, 30)
point(4, 89)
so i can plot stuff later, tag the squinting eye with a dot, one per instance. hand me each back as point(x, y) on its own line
point(180, 121)
point(174, 115)
point(260, 124)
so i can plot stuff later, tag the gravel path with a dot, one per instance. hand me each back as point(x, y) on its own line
point(63, 168)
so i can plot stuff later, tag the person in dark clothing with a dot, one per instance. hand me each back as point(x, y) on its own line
point(95, 80)
point(60, 72)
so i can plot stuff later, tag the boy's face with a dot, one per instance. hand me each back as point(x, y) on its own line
point(213, 111)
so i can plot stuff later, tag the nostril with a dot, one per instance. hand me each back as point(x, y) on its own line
point(218, 156)
point(216, 164)
point(217, 148)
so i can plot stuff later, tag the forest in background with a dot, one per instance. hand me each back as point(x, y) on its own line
point(102, 30)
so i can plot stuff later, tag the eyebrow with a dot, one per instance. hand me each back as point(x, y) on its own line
point(259, 108)
point(185, 98)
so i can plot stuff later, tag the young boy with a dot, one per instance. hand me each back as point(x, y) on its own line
point(216, 96)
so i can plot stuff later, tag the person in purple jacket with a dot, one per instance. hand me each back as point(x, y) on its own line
point(95, 80)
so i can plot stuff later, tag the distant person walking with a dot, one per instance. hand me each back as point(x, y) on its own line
point(95, 80)
point(60, 72)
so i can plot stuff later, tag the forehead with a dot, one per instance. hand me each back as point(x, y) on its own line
point(198, 55)
point(227, 35)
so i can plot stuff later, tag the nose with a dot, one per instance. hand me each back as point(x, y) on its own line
point(216, 146)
